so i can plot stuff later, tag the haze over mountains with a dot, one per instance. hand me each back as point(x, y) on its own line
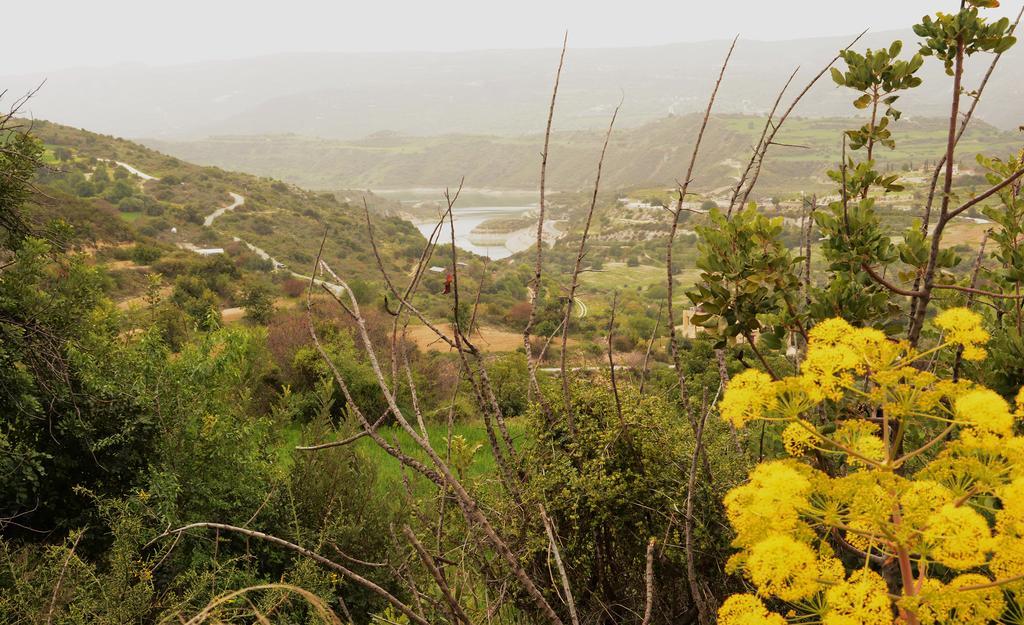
point(503, 92)
point(652, 154)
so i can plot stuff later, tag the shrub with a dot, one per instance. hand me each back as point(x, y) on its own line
point(888, 463)
point(293, 287)
point(143, 254)
point(130, 204)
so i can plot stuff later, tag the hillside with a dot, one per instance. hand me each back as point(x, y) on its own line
point(350, 95)
point(654, 154)
point(159, 198)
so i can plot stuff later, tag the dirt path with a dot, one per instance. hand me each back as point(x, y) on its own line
point(131, 170)
point(238, 201)
point(486, 338)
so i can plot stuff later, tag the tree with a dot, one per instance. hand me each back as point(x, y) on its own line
point(259, 304)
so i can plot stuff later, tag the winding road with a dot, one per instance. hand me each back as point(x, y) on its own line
point(238, 201)
point(581, 308)
point(131, 170)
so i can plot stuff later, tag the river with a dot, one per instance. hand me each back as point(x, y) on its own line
point(469, 217)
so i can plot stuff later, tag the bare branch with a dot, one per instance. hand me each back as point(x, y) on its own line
point(683, 189)
point(981, 198)
point(963, 128)
point(760, 142)
point(347, 573)
point(549, 528)
point(647, 354)
point(539, 265)
point(704, 611)
point(60, 578)
point(649, 583)
point(782, 120)
point(611, 358)
point(442, 584)
point(574, 279)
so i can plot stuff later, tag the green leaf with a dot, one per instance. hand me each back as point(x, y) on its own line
point(837, 76)
point(1005, 44)
point(863, 101)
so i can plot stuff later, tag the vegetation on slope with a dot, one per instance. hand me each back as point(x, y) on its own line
point(306, 464)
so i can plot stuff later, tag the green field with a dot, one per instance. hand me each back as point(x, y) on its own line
point(389, 471)
point(623, 278)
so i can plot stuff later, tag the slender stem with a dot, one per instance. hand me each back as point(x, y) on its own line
point(539, 263)
point(669, 268)
point(574, 281)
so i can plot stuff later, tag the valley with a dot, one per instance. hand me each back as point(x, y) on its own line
point(385, 336)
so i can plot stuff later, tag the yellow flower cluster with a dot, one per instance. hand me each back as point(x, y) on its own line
point(963, 327)
point(798, 437)
point(747, 610)
point(861, 600)
point(958, 537)
point(986, 411)
point(907, 468)
point(781, 566)
point(770, 502)
point(747, 398)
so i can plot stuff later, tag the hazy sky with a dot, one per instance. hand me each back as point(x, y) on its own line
point(68, 33)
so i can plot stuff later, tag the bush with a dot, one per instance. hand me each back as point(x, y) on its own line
point(293, 287)
point(259, 304)
point(131, 204)
point(143, 254)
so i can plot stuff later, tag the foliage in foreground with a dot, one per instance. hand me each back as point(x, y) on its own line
point(904, 491)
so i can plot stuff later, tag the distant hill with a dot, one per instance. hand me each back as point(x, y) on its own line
point(160, 198)
point(654, 154)
point(503, 92)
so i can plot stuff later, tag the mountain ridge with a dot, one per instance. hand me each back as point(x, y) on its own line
point(653, 154)
point(501, 92)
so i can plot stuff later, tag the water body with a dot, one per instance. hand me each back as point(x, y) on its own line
point(469, 217)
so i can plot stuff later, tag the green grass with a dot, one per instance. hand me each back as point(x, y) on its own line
point(131, 217)
point(615, 275)
point(49, 157)
point(620, 277)
point(389, 471)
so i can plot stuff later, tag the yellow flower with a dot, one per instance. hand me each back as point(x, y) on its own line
point(975, 607)
point(770, 501)
point(875, 349)
point(958, 537)
point(864, 535)
point(1008, 561)
point(861, 437)
point(830, 332)
point(963, 327)
point(1020, 403)
point(748, 396)
point(793, 397)
point(866, 495)
point(830, 569)
point(919, 502)
point(985, 410)
point(931, 605)
point(783, 567)
point(861, 600)
point(747, 610)
point(826, 371)
point(798, 437)
point(1011, 517)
